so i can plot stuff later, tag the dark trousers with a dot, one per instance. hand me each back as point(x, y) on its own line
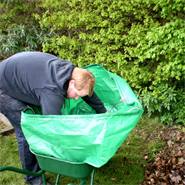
point(12, 108)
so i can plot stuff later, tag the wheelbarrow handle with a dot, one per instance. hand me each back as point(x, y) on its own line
point(23, 171)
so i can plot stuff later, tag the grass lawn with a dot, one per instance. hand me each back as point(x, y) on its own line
point(125, 168)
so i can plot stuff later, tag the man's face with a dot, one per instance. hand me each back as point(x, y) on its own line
point(74, 93)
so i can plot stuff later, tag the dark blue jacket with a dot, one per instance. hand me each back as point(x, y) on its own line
point(40, 79)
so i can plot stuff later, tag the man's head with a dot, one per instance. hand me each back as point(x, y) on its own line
point(81, 84)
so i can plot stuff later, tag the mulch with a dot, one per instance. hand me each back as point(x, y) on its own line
point(168, 168)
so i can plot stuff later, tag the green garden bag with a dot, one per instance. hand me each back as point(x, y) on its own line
point(80, 135)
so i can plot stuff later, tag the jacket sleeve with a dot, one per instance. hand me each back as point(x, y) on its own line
point(95, 103)
point(51, 103)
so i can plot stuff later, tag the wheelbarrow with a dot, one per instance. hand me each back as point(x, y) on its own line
point(75, 170)
point(97, 137)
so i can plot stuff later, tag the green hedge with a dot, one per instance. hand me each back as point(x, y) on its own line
point(19, 31)
point(142, 40)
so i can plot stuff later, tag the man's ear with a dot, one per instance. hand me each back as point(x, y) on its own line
point(71, 83)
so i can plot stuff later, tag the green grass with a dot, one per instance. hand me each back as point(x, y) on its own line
point(9, 157)
point(127, 167)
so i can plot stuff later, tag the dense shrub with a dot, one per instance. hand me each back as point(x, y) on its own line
point(19, 38)
point(160, 69)
point(18, 28)
point(142, 40)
